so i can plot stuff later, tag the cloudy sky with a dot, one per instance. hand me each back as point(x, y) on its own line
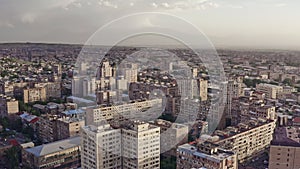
point(227, 23)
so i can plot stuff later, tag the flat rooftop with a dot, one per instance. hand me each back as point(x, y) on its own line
point(54, 147)
point(286, 136)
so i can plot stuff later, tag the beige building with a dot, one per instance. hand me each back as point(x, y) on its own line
point(247, 138)
point(203, 85)
point(134, 110)
point(52, 128)
point(172, 135)
point(205, 155)
point(8, 106)
point(270, 90)
point(134, 145)
point(285, 149)
point(38, 93)
point(69, 127)
point(141, 146)
point(101, 147)
point(62, 154)
point(53, 90)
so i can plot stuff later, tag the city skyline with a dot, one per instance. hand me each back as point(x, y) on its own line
point(261, 24)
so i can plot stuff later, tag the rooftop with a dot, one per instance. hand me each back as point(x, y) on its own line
point(217, 156)
point(54, 147)
point(286, 136)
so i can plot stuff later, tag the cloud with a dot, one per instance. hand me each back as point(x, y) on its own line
point(6, 25)
point(185, 4)
point(28, 18)
point(110, 4)
point(280, 4)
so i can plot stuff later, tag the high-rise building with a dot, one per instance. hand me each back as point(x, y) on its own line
point(172, 135)
point(203, 85)
point(143, 110)
point(101, 147)
point(134, 145)
point(141, 146)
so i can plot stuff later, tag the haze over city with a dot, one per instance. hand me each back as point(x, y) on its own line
point(263, 24)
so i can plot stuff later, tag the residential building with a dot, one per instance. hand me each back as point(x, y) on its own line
point(205, 155)
point(8, 106)
point(270, 90)
point(134, 110)
point(37, 93)
point(172, 135)
point(141, 146)
point(247, 139)
point(101, 147)
point(62, 154)
point(285, 148)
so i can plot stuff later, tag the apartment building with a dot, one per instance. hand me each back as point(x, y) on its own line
point(141, 146)
point(8, 106)
point(134, 145)
point(154, 80)
point(247, 138)
point(205, 155)
point(285, 149)
point(38, 93)
point(69, 127)
point(101, 147)
point(203, 86)
point(270, 90)
point(134, 110)
point(62, 154)
point(172, 135)
point(53, 90)
point(52, 127)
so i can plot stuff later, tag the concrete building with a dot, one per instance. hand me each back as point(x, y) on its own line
point(285, 149)
point(37, 93)
point(62, 154)
point(134, 110)
point(8, 106)
point(203, 86)
point(52, 127)
point(53, 90)
point(101, 147)
point(246, 139)
point(270, 90)
point(172, 135)
point(134, 145)
point(153, 80)
point(69, 127)
point(141, 146)
point(129, 71)
point(205, 155)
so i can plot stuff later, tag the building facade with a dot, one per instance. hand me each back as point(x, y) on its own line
point(62, 154)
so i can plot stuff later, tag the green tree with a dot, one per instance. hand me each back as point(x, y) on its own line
point(287, 81)
point(12, 157)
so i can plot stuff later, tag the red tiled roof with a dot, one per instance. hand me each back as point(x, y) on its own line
point(296, 120)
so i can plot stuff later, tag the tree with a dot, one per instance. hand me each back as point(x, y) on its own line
point(12, 156)
point(287, 81)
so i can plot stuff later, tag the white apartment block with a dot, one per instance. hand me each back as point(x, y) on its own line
point(101, 147)
point(247, 139)
point(141, 146)
point(270, 90)
point(135, 110)
point(136, 145)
